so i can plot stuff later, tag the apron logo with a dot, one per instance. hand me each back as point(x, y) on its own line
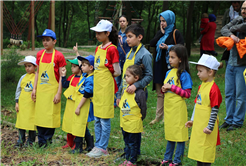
point(199, 98)
point(171, 81)
point(81, 88)
point(106, 61)
point(70, 97)
point(125, 108)
point(44, 78)
point(28, 87)
point(97, 63)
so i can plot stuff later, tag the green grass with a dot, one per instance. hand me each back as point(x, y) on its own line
point(232, 150)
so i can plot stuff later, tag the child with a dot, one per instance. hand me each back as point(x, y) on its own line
point(106, 68)
point(82, 96)
point(133, 111)
point(204, 22)
point(177, 87)
point(137, 55)
point(70, 84)
point(204, 135)
point(24, 105)
point(48, 88)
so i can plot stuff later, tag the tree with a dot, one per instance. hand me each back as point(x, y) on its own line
point(188, 32)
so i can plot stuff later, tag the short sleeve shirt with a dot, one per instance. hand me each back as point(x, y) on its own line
point(59, 61)
point(74, 81)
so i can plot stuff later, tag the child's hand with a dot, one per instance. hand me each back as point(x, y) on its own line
point(166, 87)
point(131, 89)
point(189, 123)
point(207, 131)
point(75, 48)
point(16, 107)
point(57, 98)
point(117, 102)
point(63, 71)
point(77, 111)
point(33, 95)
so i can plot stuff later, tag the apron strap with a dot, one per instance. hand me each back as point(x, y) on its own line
point(52, 59)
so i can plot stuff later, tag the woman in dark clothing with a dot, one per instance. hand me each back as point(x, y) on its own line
point(163, 41)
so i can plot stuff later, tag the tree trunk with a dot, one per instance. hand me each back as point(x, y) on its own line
point(128, 12)
point(216, 7)
point(88, 18)
point(156, 19)
point(70, 19)
point(150, 18)
point(188, 32)
point(64, 27)
point(184, 20)
point(165, 5)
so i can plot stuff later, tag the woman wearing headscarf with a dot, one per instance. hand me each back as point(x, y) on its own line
point(207, 42)
point(163, 41)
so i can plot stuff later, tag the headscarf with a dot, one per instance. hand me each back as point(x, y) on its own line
point(211, 17)
point(169, 16)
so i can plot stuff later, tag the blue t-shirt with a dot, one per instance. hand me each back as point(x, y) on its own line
point(185, 80)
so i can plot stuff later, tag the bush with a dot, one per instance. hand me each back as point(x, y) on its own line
point(9, 65)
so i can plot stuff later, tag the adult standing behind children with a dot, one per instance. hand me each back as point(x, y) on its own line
point(163, 41)
point(106, 67)
point(24, 105)
point(234, 79)
point(48, 88)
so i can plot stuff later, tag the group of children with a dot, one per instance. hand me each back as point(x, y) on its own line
point(90, 96)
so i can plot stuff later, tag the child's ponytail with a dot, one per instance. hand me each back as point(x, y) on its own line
point(113, 36)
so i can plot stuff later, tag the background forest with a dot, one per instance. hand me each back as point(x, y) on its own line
point(74, 18)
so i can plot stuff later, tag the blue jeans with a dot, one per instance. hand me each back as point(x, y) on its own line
point(102, 132)
point(131, 145)
point(235, 95)
point(22, 136)
point(139, 141)
point(45, 135)
point(178, 154)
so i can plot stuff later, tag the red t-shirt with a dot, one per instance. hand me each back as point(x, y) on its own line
point(59, 61)
point(112, 56)
point(75, 80)
point(215, 96)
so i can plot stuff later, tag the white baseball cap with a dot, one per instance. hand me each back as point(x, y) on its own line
point(209, 61)
point(28, 59)
point(103, 25)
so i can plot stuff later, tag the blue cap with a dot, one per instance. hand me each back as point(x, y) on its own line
point(89, 58)
point(48, 33)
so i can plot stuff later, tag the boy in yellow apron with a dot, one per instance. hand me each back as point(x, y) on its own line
point(133, 111)
point(137, 55)
point(204, 135)
point(70, 84)
point(24, 105)
point(81, 110)
point(48, 88)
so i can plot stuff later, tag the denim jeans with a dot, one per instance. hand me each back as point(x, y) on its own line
point(139, 141)
point(45, 135)
point(178, 154)
point(235, 95)
point(22, 136)
point(102, 132)
point(131, 146)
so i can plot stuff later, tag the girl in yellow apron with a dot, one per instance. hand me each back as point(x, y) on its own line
point(177, 87)
point(106, 68)
point(24, 105)
point(204, 135)
point(133, 111)
point(70, 84)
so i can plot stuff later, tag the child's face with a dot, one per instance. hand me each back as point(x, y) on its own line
point(174, 59)
point(130, 79)
point(75, 69)
point(30, 68)
point(86, 68)
point(102, 36)
point(203, 73)
point(48, 42)
point(132, 40)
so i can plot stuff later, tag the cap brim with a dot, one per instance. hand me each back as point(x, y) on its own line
point(193, 62)
point(24, 62)
point(81, 58)
point(96, 29)
point(73, 61)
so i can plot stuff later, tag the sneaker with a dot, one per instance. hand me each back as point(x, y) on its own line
point(124, 163)
point(65, 146)
point(98, 153)
point(224, 125)
point(174, 164)
point(233, 127)
point(153, 121)
point(18, 145)
point(94, 149)
point(165, 163)
point(130, 164)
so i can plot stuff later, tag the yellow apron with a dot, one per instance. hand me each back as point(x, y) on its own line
point(69, 110)
point(175, 112)
point(244, 75)
point(79, 122)
point(127, 63)
point(203, 146)
point(47, 114)
point(131, 117)
point(25, 116)
point(103, 93)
